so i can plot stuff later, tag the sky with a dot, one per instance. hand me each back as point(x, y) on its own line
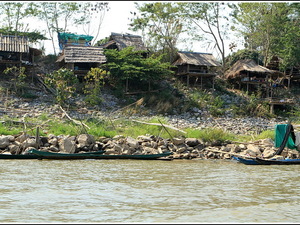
point(117, 20)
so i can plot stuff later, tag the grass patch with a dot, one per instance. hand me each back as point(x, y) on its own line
point(210, 134)
point(9, 129)
point(266, 134)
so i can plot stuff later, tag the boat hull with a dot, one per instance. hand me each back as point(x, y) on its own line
point(9, 156)
point(246, 161)
point(62, 156)
point(277, 161)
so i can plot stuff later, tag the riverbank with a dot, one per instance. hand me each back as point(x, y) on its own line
point(111, 109)
point(181, 148)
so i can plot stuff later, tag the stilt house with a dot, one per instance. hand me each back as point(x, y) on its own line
point(81, 59)
point(196, 67)
point(246, 73)
point(78, 54)
point(15, 51)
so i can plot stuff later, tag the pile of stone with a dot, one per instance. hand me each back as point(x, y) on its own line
point(182, 148)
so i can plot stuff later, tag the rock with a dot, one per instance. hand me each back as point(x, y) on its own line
point(268, 152)
point(117, 137)
point(85, 140)
point(132, 142)
point(22, 138)
point(254, 148)
point(178, 141)
point(4, 141)
point(192, 142)
point(67, 145)
point(14, 149)
point(267, 142)
point(29, 142)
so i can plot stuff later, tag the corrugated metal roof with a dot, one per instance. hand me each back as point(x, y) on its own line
point(248, 65)
point(195, 58)
point(82, 54)
point(9, 43)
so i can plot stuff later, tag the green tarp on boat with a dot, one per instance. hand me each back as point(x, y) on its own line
point(280, 130)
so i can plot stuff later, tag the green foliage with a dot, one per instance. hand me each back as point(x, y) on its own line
point(244, 54)
point(208, 22)
point(130, 64)
point(271, 28)
point(63, 81)
point(18, 78)
point(33, 36)
point(205, 100)
point(161, 24)
point(210, 134)
point(102, 41)
point(8, 128)
point(266, 134)
point(252, 106)
point(94, 80)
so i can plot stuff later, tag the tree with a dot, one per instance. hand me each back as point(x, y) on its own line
point(162, 24)
point(63, 81)
point(243, 54)
point(271, 28)
point(128, 64)
point(57, 16)
point(213, 25)
point(94, 80)
point(92, 16)
point(13, 15)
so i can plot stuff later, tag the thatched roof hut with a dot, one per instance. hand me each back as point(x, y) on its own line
point(195, 58)
point(244, 67)
point(196, 67)
point(121, 41)
point(82, 54)
point(81, 59)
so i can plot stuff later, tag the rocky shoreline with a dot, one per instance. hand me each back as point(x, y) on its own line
point(181, 148)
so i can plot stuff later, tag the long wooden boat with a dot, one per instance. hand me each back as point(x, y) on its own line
point(261, 161)
point(52, 155)
point(245, 161)
point(31, 155)
point(10, 156)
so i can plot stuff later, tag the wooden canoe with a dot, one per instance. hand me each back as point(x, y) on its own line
point(56, 155)
point(31, 155)
point(245, 161)
point(52, 155)
point(10, 156)
point(261, 161)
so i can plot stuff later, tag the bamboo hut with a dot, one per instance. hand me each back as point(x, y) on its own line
point(120, 41)
point(15, 51)
point(248, 72)
point(195, 66)
point(81, 59)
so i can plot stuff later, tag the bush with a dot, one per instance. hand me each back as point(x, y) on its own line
point(63, 81)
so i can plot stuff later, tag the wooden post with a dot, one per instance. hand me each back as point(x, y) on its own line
point(271, 108)
point(37, 138)
point(126, 88)
point(201, 83)
point(188, 80)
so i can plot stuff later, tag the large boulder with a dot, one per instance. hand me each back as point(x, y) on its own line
point(6, 140)
point(67, 145)
point(85, 140)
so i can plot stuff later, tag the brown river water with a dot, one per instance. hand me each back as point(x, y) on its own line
point(141, 191)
